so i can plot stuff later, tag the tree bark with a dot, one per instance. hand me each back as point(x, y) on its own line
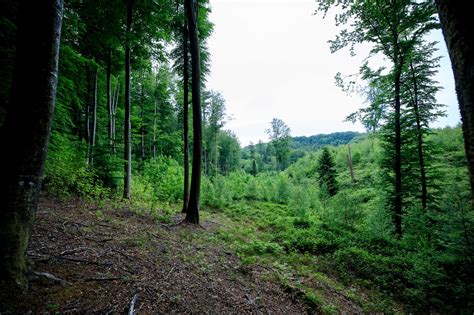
point(114, 118)
point(419, 134)
point(154, 129)
point(457, 24)
point(87, 125)
point(216, 153)
point(142, 116)
point(26, 131)
point(192, 215)
point(94, 119)
point(127, 153)
point(109, 96)
point(397, 165)
point(185, 118)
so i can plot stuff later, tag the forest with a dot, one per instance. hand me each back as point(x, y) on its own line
point(125, 192)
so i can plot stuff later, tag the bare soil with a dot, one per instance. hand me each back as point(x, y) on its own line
point(102, 260)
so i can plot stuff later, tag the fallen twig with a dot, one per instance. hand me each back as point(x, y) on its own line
point(123, 254)
point(169, 272)
point(102, 279)
point(80, 260)
point(131, 309)
point(72, 251)
point(40, 257)
point(97, 240)
point(48, 276)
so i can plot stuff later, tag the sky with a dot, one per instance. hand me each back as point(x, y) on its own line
point(271, 59)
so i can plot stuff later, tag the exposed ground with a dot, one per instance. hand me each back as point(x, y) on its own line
point(103, 259)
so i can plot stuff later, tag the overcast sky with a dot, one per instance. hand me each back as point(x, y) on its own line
point(270, 58)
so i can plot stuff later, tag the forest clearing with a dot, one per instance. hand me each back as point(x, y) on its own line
point(236, 157)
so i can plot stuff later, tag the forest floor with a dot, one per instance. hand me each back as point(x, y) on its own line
point(102, 258)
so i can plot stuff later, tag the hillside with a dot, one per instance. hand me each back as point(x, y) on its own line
point(320, 140)
point(94, 259)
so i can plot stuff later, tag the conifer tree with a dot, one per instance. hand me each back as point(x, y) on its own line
point(327, 173)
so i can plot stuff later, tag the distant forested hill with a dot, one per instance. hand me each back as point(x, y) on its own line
point(321, 140)
point(263, 153)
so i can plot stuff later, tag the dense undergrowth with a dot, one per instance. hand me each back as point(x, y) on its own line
point(286, 221)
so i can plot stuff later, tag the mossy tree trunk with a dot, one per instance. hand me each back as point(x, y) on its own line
point(25, 134)
point(457, 24)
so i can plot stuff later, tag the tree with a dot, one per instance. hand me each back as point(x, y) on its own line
point(185, 42)
point(93, 126)
point(180, 54)
point(192, 215)
point(280, 139)
point(127, 153)
point(393, 27)
point(457, 25)
point(29, 118)
point(420, 96)
point(215, 115)
point(229, 152)
point(327, 173)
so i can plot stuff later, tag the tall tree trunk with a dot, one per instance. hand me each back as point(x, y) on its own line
point(87, 124)
point(216, 153)
point(127, 152)
point(109, 96)
point(114, 118)
point(192, 215)
point(26, 131)
point(397, 165)
point(154, 129)
point(185, 117)
point(457, 24)
point(94, 118)
point(351, 166)
point(419, 134)
point(142, 116)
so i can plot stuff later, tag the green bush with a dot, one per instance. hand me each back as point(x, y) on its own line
point(165, 175)
point(257, 247)
point(66, 173)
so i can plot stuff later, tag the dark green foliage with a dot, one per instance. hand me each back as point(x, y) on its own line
point(327, 173)
point(318, 141)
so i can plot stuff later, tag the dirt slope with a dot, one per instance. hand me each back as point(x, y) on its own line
point(103, 259)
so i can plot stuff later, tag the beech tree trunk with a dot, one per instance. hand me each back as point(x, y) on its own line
point(109, 96)
point(94, 119)
point(142, 128)
point(114, 117)
point(192, 215)
point(87, 124)
point(154, 129)
point(26, 131)
point(397, 163)
point(127, 152)
point(185, 118)
point(457, 24)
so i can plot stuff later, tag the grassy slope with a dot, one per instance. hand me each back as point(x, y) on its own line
point(256, 231)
